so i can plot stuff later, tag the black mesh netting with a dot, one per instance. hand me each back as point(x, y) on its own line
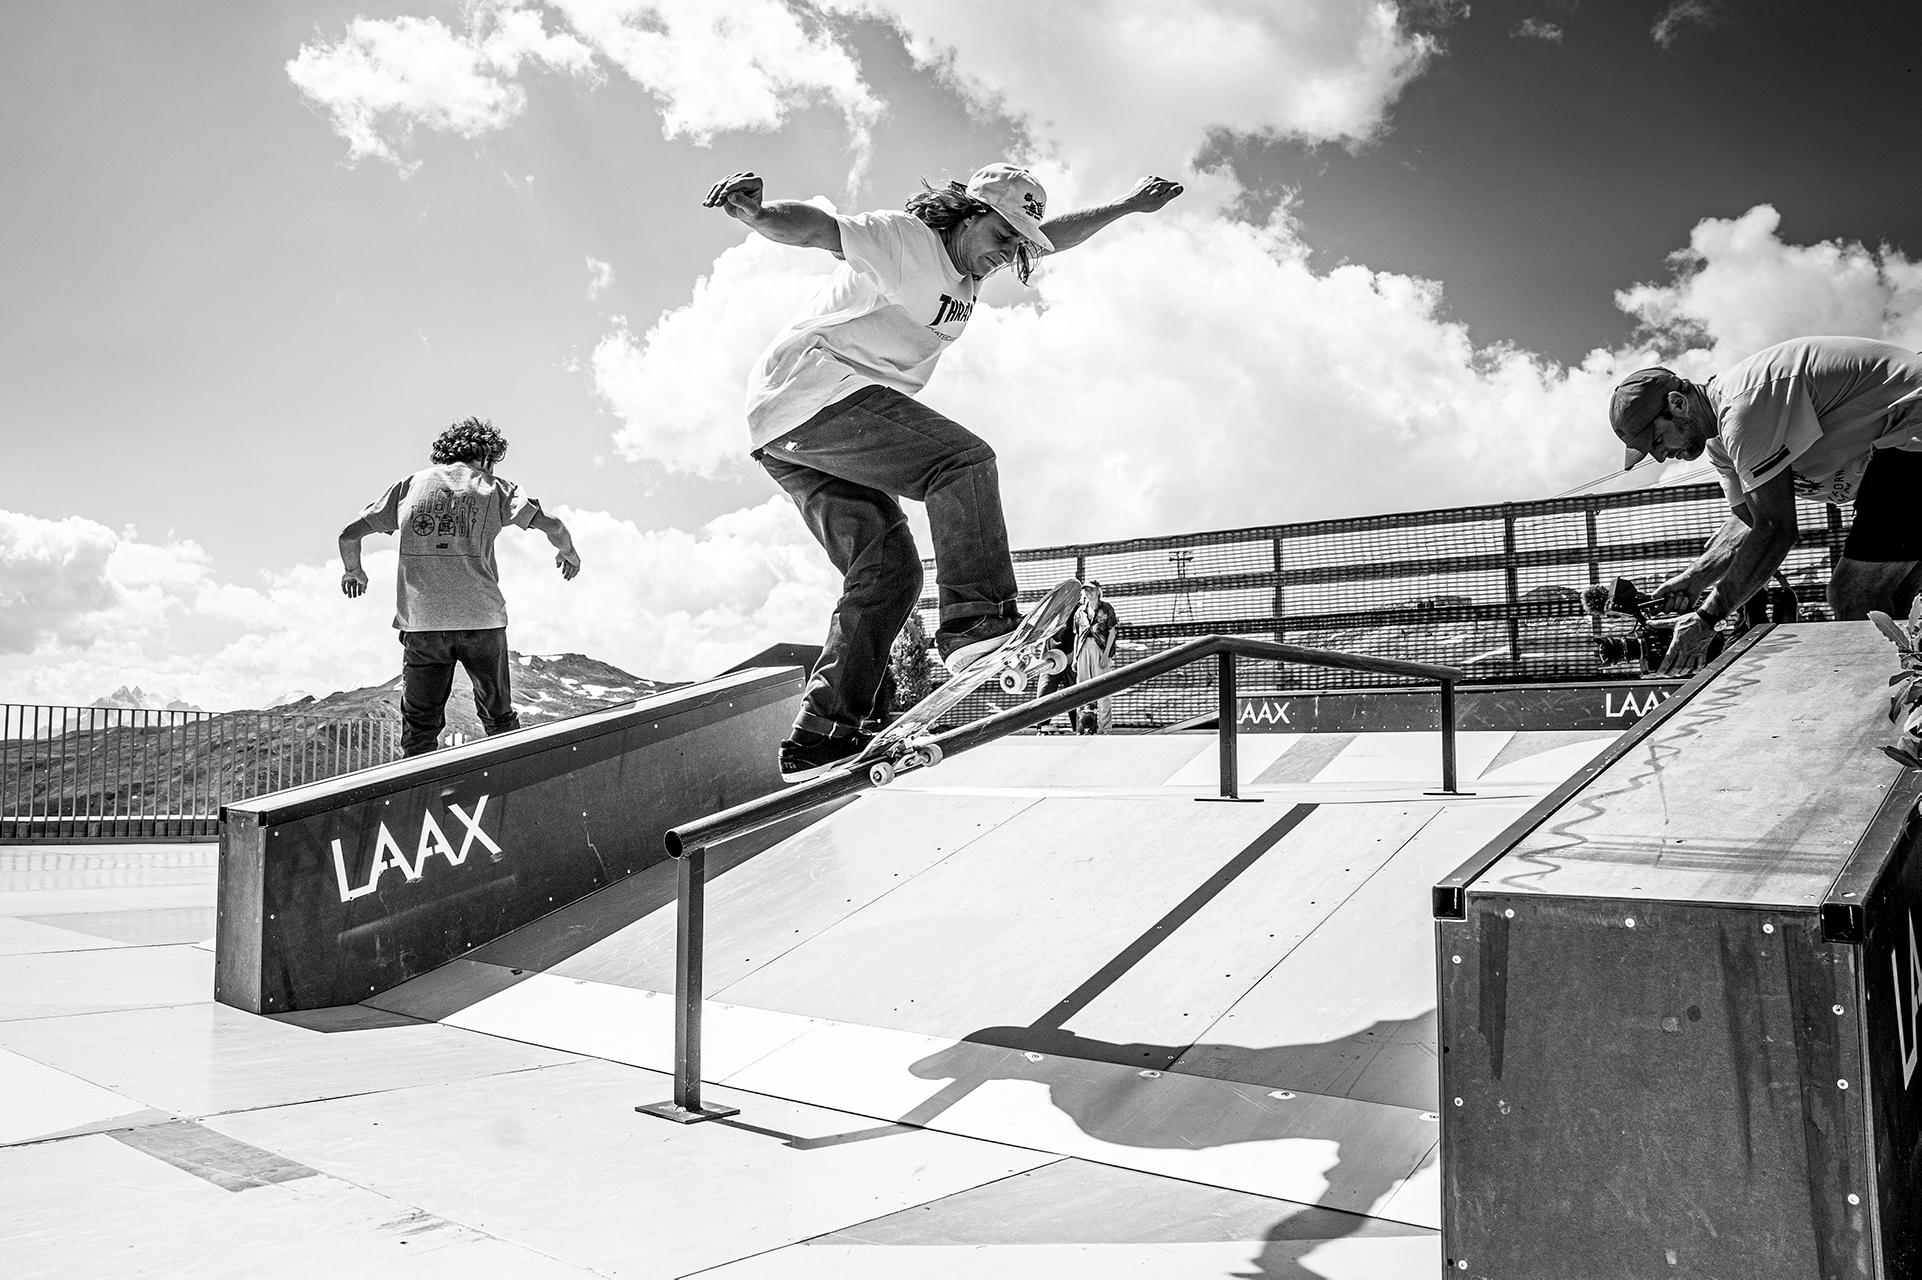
point(1494, 590)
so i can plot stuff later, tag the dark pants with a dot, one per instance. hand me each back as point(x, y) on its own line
point(427, 675)
point(1063, 644)
point(844, 468)
point(1885, 527)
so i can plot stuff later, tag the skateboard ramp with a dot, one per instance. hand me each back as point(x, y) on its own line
point(1061, 947)
point(1680, 999)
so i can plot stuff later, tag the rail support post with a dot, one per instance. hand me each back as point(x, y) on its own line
point(1225, 729)
point(689, 927)
point(1448, 785)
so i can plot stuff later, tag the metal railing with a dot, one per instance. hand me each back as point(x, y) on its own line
point(91, 773)
point(688, 843)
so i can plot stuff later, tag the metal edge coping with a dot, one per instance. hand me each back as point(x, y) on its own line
point(1449, 897)
point(1464, 689)
point(1895, 821)
point(405, 775)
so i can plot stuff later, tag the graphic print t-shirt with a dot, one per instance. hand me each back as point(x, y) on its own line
point(447, 518)
point(883, 318)
point(1819, 406)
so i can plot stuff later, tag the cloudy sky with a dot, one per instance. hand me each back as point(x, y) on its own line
point(255, 255)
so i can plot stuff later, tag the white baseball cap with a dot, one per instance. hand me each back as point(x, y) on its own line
point(1013, 193)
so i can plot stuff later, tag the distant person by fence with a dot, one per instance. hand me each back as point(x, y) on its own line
point(448, 603)
point(1054, 682)
point(1096, 628)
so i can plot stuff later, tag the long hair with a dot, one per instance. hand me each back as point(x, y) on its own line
point(945, 208)
point(470, 440)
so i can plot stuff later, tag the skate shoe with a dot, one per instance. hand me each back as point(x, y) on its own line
point(971, 639)
point(807, 754)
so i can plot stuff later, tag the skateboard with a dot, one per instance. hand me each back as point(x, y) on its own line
point(1024, 656)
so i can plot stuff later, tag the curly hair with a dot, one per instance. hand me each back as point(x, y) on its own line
point(470, 440)
point(945, 208)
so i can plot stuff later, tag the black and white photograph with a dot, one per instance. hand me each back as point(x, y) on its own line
point(989, 640)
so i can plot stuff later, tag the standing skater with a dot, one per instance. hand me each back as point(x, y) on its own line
point(831, 418)
point(448, 603)
point(1096, 628)
point(1834, 419)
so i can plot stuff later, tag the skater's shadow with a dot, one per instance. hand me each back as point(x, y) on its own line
point(1207, 1095)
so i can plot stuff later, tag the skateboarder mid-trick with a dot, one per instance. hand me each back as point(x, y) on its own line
point(832, 420)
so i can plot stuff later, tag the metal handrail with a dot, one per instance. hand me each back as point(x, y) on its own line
point(688, 843)
point(706, 832)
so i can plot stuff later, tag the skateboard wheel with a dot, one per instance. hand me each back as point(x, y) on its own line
point(880, 773)
point(1057, 662)
point(930, 756)
point(1013, 682)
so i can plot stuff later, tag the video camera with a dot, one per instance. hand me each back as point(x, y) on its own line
point(1647, 643)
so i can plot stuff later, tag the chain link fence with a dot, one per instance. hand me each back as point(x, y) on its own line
point(1494, 590)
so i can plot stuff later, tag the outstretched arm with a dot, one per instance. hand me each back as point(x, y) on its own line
point(353, 578)
point(569, 560)
point(782, 221)
point(1070, 229)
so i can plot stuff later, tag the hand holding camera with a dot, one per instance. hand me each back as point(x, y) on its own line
point(1648, 644)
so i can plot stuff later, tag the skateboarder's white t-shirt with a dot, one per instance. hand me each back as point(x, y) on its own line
point(1819, 406)
point(447, 517)
point(882, 319)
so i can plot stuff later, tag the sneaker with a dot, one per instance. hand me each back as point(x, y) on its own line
point(807, 754)
point(972, 639)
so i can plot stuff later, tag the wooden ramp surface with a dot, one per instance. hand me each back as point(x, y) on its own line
point(1754, 792)
point(1239, 995)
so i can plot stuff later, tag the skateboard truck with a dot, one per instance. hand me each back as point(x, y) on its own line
point(921, 755)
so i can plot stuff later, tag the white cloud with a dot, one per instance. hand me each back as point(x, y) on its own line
point(713, 65)
point(680, 388)
point(1194, 373)
point(722, 65)
point(384, 77)
point(87, 610)
point(1179, 372)
point(1107, 86)
point(74, 584)
point(1183, 371)
point(666, 603)
point(1681, 13)
point(600, 275)
point(1115, 86)
point(1739, 287)
point(1537, 29)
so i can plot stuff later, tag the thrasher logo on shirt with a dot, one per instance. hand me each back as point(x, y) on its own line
point(951, 311)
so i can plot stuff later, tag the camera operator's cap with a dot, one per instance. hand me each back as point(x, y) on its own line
point(1639, 399)
point(1013, 193)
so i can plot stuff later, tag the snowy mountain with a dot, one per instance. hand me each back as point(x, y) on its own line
point(545, 687)
point(137, 699)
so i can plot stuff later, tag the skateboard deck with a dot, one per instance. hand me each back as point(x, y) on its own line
point(1020, 661)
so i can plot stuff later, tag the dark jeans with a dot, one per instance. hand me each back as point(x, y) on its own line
point(844, 468)
point(427, 676)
